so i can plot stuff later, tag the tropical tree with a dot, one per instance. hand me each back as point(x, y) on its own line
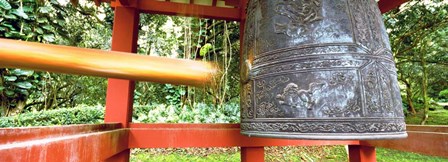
point(47, 22)
point(418, 33)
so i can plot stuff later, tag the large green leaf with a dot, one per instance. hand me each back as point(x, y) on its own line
point(5, 5)
point(9, 93)
point(205, 49)
point(49, 37)
point(42, 20)
point(39, 30)
point(10, 16)
point(10, 78)
point(45, 9)
point(20, 72)
point(21, 13)
point(24, 92)
point(24, 85)
point(48, 27)
point(8, 25)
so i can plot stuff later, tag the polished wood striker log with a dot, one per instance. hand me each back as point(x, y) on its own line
point(319, 69)
point(111, 64)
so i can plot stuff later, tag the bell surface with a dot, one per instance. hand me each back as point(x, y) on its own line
point(319, 69)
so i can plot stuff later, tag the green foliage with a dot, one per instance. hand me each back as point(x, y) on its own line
point(191, 38)
point(417, 32)
point(201, 113)
point(50, 21)
point(444, 94)
point(63, 116)
point(181, 156)
point(437, 117)
point(387, 155)
point(205, 49)
point(28, 20)
point(155, 113)
point(5, 5)
point(291, 153)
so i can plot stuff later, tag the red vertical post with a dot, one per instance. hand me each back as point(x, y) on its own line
point(120, 93)
point(252, 154)
point(358, 153)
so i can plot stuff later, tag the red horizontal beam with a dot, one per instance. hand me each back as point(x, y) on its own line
point(13, 135)
point(427, 128)
point(96, 146)
point(181, 9)
point(387, 5)
point(213, 12)
point(429, 143)
point(235, 3)
point(207, 135)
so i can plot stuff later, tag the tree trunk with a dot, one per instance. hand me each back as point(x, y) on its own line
point(424, 88)
point(409, 95)
point(18, 109)
point(4, 102)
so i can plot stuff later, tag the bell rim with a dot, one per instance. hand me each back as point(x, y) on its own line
point(327, 136)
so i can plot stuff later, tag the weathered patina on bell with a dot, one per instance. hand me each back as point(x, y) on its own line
point(319, 69)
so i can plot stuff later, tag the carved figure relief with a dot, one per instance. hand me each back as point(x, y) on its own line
point(299, 102)
point(300, 14)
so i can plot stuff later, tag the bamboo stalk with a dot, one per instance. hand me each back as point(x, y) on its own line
point(110, 64)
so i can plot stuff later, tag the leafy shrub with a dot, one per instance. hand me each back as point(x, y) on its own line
point(444, 94)
point(201, 113)
point(63, 116)
point(156, 113)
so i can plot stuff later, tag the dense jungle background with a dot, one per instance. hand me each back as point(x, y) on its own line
point(418, 33)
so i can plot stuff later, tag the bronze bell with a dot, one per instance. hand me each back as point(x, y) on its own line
point(319, 69)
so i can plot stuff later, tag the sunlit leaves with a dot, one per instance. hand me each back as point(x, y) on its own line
point(19, 12)
point(205, 49)
point(10, 78)
point(5, 5)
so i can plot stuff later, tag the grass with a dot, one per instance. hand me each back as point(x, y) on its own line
point(273, 154)
point(436, 117)
point(388, 155)
point(175, 157)
point(186, 154)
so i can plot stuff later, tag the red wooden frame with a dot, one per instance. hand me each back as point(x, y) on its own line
point(208, 135)
point(112, 141)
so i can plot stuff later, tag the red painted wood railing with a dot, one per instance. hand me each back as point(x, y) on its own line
point(99, 142)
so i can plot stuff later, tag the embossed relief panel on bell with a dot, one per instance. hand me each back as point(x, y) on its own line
point(309, 94)
point(319, 69)
point(301, 22)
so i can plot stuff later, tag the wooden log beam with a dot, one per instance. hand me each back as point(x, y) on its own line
point(428, 143)
point(98, 145)
point(111, 64)
point(208, 135)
